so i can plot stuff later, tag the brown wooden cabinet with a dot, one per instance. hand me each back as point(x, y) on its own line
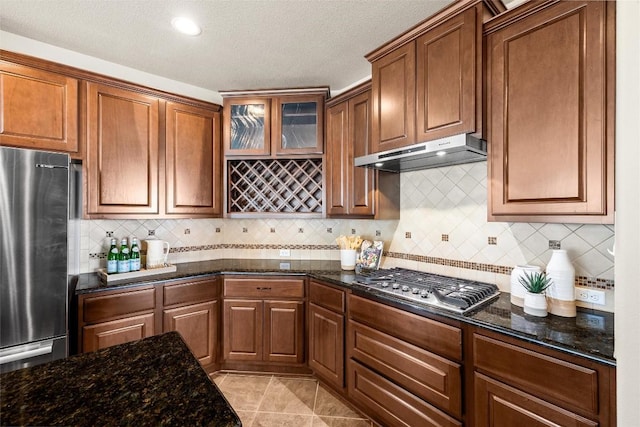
point(519, 384)
point(39, 108)
point(193, 165)
point(115, 317)
point(263, 320)
point(405, 369)
point(122, 151)
point(551, 88)
point(427, 83)
point(326, 332)
point(274, 123)
point(355, 191)
point(191, 308)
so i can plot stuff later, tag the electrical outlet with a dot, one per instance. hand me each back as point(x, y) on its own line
point(285, 252)
point(593, 296)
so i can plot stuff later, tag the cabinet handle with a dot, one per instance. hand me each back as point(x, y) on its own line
point(263, 288)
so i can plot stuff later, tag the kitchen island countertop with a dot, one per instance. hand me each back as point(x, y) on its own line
point(590, 334)
point(154, 381)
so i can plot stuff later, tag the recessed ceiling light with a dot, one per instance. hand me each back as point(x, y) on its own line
point(186, 26)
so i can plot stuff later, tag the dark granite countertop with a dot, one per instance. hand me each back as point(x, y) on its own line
point(155, 381)
point(590, 334)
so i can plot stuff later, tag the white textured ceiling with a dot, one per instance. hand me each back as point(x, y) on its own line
point(245, 44)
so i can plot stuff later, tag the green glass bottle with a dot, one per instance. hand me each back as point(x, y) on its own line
point(134, 257)
point(112, 257)
point(124, 265)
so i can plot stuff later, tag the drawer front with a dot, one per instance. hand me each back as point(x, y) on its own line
point(392, 405)
point(104, 307)
point(556, 380)
point(327, 297)
point(264, 288)
point(107, 334)
point(428, 376)
point(431, 335)
point(190, 292)
point(497, 404)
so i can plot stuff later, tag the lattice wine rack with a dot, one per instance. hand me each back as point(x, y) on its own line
point(275, 186)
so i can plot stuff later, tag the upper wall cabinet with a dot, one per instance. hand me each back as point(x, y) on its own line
point(39, 108)
point(354, 191)
point(193, 166)
point(427, 83)
point(122, 151)
point(550, 87)
point(274, 123)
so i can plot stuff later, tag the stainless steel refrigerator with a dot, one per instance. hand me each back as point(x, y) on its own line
point(34, 214)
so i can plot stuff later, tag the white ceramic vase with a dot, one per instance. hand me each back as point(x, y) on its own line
point(348, 259)
point(517, 290)
point(561, 293)
point(535, 304)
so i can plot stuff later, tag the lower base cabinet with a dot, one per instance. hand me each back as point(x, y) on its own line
point(197, 324)
point(106, 334)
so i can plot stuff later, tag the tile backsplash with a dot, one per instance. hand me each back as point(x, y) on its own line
point(443, 229)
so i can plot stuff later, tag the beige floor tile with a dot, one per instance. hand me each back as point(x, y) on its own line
point(217, 378)
point(323, 421)
point(328, 404)
point(268, 419)
point(244, 392)
point(290, 395)
point(246, 417)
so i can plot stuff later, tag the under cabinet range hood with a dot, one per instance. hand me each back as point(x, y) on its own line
point(453, 150)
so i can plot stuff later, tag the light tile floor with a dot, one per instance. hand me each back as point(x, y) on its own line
point(283, 401)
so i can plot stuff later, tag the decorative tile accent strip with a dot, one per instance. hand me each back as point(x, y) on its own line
point(407, 234)
point(588, 282)
point(445, 237)
point(492, 240)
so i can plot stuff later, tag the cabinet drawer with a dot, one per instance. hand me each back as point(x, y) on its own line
point(391, 404)
point(105, 307)
point(107, 334)
point(428, 376)
point(326, 296)
point(431, 335)
point(190, 292)
point(264, 288)
point(556, 380)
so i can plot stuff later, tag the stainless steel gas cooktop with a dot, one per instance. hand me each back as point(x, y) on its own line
point(447, 293)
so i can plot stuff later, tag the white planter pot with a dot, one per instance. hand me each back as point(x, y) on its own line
point(517, 290)
point(535, 304)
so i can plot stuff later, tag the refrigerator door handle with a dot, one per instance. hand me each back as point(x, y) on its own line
point(25, 351)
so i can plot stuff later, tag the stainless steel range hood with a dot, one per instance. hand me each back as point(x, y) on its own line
point(453, 150)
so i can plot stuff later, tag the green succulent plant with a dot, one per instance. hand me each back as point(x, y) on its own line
point(536, 282)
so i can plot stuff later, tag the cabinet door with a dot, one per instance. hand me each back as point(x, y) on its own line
point(193, 168)
point(497, 404)
point(393, 99)
point(242, 324)
point(338, 159)
point(122, 151)
point(326, 344)
point(550, 113)
point(284, 331)
point(198, 326)
point(39, 109)
point(102, 335)
point(298, 124)
point(360, 180)
point(247, 126)
point(446, 78)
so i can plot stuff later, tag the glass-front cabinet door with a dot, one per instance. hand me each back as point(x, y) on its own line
point(298, 124)
point(248, 127)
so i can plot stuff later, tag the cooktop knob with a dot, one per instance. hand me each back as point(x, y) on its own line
point(395, 286)
point(424, 293)
point(384, 284)
point(405, 288)
point(415, 291)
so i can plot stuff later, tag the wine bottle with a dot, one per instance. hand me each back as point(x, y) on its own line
point(124, 265)
point(112, 257)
